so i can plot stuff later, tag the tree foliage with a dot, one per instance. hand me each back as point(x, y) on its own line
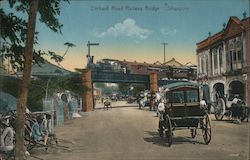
point(10, 85)
point(13, 30)
point(125, 88)
point(19, 37)
point(38, 88)
point(72, 82)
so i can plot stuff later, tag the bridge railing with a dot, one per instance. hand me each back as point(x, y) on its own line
point(116, 77)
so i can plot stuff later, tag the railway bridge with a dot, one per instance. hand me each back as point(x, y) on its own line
point(95, 76)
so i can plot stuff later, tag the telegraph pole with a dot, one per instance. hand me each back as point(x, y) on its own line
point(90, 59)
point(91, 44)
point(164, 44)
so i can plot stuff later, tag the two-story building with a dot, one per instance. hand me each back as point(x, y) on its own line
point(224, 60)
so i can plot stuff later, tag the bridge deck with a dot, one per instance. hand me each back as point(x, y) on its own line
point(116, 77)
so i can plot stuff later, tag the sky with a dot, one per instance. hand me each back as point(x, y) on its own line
point(134, 30)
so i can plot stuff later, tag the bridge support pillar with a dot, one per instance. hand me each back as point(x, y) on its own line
point(153, 87)
point(87, 99)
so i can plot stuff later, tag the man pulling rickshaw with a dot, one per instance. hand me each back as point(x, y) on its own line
point(235, 110)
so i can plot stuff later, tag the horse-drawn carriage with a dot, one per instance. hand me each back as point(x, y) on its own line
point(183, 110)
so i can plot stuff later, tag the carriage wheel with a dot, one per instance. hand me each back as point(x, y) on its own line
point(219, 109)
point(169, 132)
point(206, 129)
point(193, 133)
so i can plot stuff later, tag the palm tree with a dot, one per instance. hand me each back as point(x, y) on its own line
point(68, 44)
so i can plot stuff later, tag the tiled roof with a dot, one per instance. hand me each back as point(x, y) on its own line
point(174, 63)
point(47, 69)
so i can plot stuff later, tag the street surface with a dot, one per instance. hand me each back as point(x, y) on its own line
point(128, 133)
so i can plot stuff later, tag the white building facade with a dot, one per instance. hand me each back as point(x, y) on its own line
point(223, 61)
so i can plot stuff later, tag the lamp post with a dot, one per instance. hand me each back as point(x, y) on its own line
point(164, 44)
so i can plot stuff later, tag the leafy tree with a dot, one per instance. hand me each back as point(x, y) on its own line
point(39, 88)
point(10, 85)
point(14, 31)
point(100, 85)
point(18, 37)
point(72, 82)
point(138, 88)
point(22, 102)
point(125, 88)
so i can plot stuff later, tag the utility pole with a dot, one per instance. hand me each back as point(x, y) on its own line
point(90, 58)
point(164, 44)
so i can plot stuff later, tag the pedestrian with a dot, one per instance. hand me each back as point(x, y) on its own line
point(161, 109)
point(102, 99)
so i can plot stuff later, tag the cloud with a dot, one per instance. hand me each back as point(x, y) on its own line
point(166, 31)
point(127, 28)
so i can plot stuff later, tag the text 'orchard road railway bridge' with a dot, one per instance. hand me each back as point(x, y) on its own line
point(90, 77)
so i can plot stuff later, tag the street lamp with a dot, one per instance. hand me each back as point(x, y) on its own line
point(164, 44)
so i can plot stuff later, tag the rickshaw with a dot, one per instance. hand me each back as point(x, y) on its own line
point(223, 107)
point(183, 111)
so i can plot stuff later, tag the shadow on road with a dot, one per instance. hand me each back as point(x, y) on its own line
point(182, 140)
point(156, 139)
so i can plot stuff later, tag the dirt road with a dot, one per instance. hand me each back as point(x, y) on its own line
point(131, 134)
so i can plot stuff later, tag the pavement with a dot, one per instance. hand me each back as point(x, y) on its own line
point(128, 133)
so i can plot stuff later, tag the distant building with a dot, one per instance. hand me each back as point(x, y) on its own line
point(46, 70)
point(224, 60)
point(171, 69)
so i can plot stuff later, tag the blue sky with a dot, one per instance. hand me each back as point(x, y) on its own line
point(134, 30)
